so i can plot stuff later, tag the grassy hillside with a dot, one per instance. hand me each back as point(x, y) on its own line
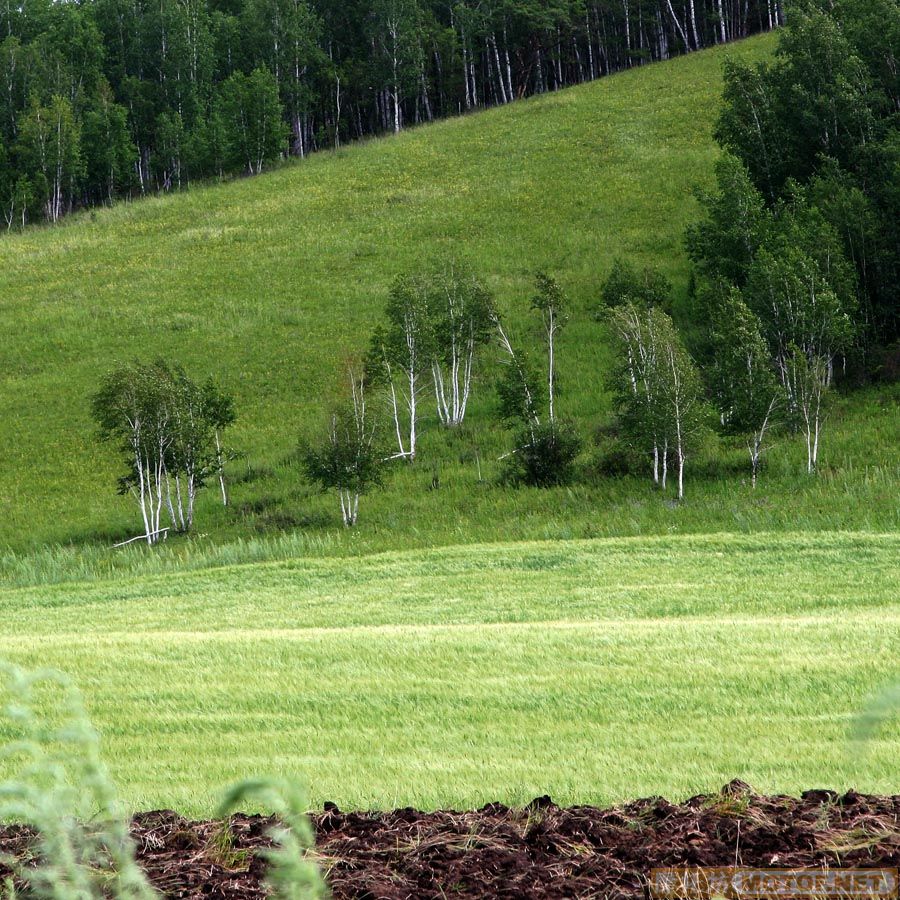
point(591, 669)
point(268, 283)
point(594, 671)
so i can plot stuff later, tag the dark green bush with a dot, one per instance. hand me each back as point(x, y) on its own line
point(545, 455)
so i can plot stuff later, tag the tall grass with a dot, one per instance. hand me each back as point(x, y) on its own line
point(591, 670)
point(461, 502)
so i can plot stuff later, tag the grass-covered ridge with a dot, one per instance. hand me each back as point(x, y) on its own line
point(268, 282)
point(594, 671)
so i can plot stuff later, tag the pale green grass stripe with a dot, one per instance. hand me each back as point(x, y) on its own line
point(594, 671)
point(458, 716)
point(610, 578)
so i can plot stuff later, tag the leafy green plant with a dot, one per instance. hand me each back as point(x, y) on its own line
point(293, 873)
point(59, 786)
point(545, 456)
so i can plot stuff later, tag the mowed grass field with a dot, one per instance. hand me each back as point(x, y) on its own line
point(592, 670)
point(269, 283)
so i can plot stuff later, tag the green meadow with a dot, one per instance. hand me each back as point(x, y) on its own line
point(593, 671)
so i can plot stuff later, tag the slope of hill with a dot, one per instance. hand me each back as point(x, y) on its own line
point(267, 282)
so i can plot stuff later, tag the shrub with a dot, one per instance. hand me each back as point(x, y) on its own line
point(545, 456)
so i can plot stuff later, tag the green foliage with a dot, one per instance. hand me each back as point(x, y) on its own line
point(749, 397)
point(405, 341)
point(751, 130)
point(545, 455)
point(627, 284)
point(460, 308)
point(657, 387)
point(50, 145)
point(167, 427)
point(823, 116)
point(725, 242)
point(744, 384)
point(521, 389)
point(109, 150)
point(292, 873)
point(249, 108)
point(550, 302)
point(788, 264)
point(797, 304)
point(349, 460)
point(56, 783)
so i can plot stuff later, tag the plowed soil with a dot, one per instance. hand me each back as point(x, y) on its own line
point(541, 851)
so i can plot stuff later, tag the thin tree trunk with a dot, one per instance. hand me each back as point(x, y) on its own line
point(221, 468)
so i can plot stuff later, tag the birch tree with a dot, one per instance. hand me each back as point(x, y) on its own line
point(400, 358)
point(520, 388)
point(746, 389)
point(799, 309)
point(460, 309)
point(545, 448)
point(251, 110)
point(658, 388)
point(807, 384)
point(396, 25)
point(551, 303)
point(636, 383)
point(348, 461)
point(680, 393)
point(50, 141)
point(199, 415)
point(150, 85)
point(132, 407)
point(167, 427)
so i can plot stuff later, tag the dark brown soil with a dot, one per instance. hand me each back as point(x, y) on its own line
point(542, 851)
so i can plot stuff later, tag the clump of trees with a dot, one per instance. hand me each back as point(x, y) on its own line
point(657, 386)
point(436, 320)
point(169, 430)
point(103, 100)
point(797, 256)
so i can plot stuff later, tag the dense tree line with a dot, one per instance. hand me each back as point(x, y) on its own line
point(105, 99)
point(809, 200)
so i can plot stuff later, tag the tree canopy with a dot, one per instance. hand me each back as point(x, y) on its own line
point(115, 98)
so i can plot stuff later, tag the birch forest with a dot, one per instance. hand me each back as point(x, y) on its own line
point(109, 99)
